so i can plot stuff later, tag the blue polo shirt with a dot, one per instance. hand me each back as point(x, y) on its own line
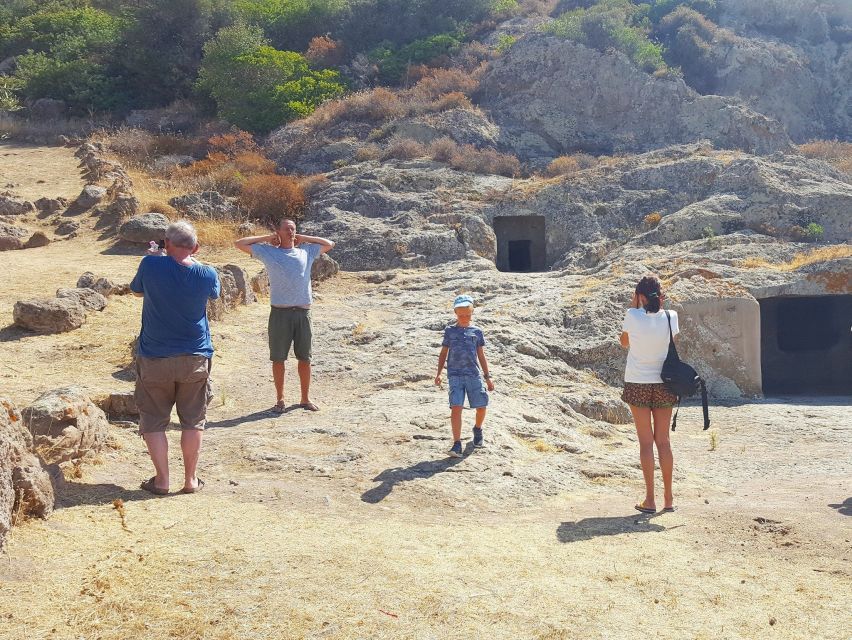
point(174, 307)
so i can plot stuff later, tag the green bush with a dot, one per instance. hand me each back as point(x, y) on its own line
point(688, 38)
point(258, 87)
point(615, 24)
point(659, 9)
point(393, 64)
point(66, 33)
point(84, 85)
point(814, 231)
point(292, 24)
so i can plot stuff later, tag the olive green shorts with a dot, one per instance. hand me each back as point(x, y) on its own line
point(289, 326)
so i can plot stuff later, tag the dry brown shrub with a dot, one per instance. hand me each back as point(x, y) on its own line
point(250, 163)
point(485, 161)
point(313, 184)
point(437, 82)
point(272, 197)
point(652, 220)
point(404, 149)
point(325, 52)
point(453, 100)
point(368, 152)
point(231, 144)
point(161, 207)
point(133, 145)
point(838, 154)
point(473, 57)
point(443, 149)
point(374, 105)
point(562, 166)
point(203, 167)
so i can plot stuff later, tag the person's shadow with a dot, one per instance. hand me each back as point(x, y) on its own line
point(265, 414)
point(389, 478)
point(589, 528)
point(844, 508)
point(75, 494)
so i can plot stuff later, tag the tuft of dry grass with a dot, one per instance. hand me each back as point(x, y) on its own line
point(404, 149)
point(569, 165)
point(802, 259)
point(216, 234)
point(838, 154)
point(45, 131)
point(273, 197)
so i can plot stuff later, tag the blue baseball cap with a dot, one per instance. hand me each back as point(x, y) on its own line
point(463, 300)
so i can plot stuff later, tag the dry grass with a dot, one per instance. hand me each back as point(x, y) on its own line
point(270, 197)
point(822, 254)
point(45, 131)
point(403, 149)
point(838, 154)
point(216, 234)
point(569, 165)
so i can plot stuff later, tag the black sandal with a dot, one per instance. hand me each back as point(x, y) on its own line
point(150, 487)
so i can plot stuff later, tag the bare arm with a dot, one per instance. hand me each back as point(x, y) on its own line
point(244, 244)
point(325, 244)
point(442, 359)
point(624, 340)
point(483, 363)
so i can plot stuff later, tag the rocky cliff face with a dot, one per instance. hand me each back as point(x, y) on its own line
point(550, 96)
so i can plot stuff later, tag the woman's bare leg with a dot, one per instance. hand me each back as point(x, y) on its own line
point(662, 423)
point(642, 419)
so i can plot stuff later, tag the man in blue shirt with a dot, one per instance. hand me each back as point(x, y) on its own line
point(174, 352)
point(463, 351)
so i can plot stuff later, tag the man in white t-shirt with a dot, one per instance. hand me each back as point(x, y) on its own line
point(288, 257)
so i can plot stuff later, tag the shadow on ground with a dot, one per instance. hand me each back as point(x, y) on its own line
point(844, 508)
point(389, 478)
point(589, 528)
point(75, 494)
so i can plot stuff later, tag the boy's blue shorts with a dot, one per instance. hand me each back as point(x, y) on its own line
point(473, 386)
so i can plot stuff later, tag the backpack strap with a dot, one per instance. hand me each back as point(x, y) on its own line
point(704, 406)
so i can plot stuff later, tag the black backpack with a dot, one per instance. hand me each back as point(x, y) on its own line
point(682, 380)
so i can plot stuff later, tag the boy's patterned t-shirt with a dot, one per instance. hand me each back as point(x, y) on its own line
point(463, 342)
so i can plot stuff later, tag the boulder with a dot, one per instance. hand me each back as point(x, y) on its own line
point(48, 109)
point(89, 299)
point(8, 66)
point(228, 297)
point(50, 205)
point(207, 204)
point(56, 315)
point(260, 283)
point(243, 282)
point(90, 196)
point(26, 488)
point(12, 237)
point(104, 286)
point(11, 205)
point(38, 239)
point(66, 425)
point(323, 268)
point(143, 228)
point(124, 205)
point(68, 227)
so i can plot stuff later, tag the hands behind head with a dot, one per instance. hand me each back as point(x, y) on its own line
point(634, 301)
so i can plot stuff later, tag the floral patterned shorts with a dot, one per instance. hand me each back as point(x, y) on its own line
point(652, 396)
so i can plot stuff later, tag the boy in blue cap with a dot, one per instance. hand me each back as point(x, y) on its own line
point(462, 348)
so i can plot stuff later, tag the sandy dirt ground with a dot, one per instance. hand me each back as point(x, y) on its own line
point(352, 523)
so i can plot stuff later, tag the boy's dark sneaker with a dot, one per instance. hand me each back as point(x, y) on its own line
point(477, 437)
point(456, 451)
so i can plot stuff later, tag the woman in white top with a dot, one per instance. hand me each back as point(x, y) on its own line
point(646, 333)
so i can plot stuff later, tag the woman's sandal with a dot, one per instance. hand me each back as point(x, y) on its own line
point(150, 487)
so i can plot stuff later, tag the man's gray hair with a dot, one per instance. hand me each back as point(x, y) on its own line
point(182, 234)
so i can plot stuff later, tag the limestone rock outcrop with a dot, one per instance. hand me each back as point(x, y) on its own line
point(66, 425)
point(54, 315)
point(547, 101)
point(26, 487)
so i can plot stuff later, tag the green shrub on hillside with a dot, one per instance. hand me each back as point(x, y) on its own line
point(615, 24)
point(688, 38)
point(659, 9)
point(66, 33)
point(292, 24)
point(258, 87)
point(393, 64)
